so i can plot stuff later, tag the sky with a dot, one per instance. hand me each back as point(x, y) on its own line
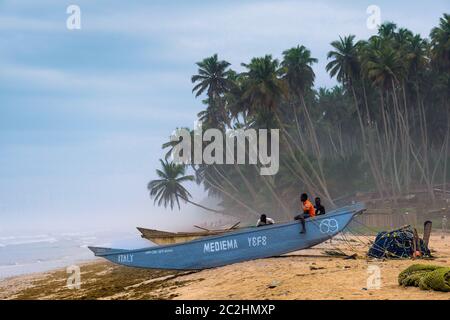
point(83, 113)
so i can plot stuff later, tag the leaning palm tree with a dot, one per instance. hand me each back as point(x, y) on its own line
point(298, 74)
point(297, 69)
point(386, 68)
point(440, 41)
point(168, 190)
point(345, 65)
point(214, 78)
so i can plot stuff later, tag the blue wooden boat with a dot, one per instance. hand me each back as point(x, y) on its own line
point(235, 246)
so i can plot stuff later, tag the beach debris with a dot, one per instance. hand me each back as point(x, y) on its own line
point(160, 279)
point(426, 277)
point(353, 256)
point(274, 284)
point(316, 268)
point(335, 253)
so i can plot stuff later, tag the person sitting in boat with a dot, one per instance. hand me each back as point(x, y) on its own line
point(263, 221)
point(320, 209)
point(308, 211)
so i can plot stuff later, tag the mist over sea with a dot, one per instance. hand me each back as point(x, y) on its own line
point(24, 254)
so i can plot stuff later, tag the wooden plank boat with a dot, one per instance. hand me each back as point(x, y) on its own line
point(235, 246)
point(164, 237)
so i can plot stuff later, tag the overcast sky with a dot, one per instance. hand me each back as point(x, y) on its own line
point(83, 113)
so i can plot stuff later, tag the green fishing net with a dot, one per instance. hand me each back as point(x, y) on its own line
point(426, 277)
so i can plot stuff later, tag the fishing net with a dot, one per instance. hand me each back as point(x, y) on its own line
point(426, 277)
point(396, 244)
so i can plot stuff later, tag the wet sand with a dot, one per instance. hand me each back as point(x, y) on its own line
point(306, 274)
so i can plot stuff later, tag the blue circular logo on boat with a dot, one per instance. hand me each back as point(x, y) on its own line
point(329, 226)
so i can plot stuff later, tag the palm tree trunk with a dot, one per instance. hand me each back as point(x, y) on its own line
point(218, 187)
point(364, 142)
point(199, 205)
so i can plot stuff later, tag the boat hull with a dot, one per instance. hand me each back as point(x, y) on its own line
point(236, 246)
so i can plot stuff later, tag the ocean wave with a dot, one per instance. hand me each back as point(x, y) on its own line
point(8, 238)
point(43, 235)
point(72, 234)
point(30, 241)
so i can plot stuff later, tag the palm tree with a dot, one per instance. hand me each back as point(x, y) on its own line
point(345, 65)
point(299, 75)
point(416, 55)
point(440, 42)
point(402, 38)
point(387, 30)
point(385, 68)
point(170, 145)
point(388, 118)
point(212, 77)
point(262, 86)
point(168, 189)
point(263, 90)
point(297, 69)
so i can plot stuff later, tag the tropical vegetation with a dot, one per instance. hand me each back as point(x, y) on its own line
point(384, 128)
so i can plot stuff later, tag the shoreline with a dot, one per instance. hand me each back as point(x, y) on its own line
point(60, 264)
point(306, 274)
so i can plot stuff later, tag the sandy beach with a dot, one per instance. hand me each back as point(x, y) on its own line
point(303, 275)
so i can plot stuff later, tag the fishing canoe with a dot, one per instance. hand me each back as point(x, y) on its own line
point(235, 246)
point(164, 237)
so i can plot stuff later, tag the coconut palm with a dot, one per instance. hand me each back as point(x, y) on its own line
point(388, 118)
point(416, 55)
point(402, 38)
point(297, 69)
point(211, 77)
point(385, 67)
point(344, 64)
point(440, 41)
point(168, 190)
point(387, 30)
point(263, 87)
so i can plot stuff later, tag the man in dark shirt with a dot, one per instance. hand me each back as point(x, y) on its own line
point(264, 220)
point(320, 209)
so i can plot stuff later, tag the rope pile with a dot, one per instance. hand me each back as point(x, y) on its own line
point(426, 277)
